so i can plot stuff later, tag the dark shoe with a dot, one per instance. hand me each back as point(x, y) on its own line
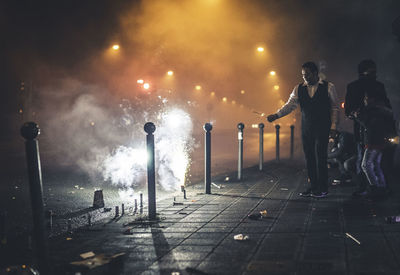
point(319, 195)
point(306, 193)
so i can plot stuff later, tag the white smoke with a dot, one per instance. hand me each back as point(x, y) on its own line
point(126, 165)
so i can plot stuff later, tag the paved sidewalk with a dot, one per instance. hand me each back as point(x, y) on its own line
point(298, 235)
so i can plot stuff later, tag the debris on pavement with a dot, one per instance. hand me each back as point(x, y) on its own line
point(216, 185)
point(258, 216)
point(354, 239)
point(263, 213)
point(87, 255)
point(177, 203)
point(284, 189)
point(240, 237)
point(97, 260)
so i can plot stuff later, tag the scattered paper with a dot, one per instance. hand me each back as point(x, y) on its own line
point(87, 255)
point(216, 185)
point(354, 239)
point(97, 260)
point(240, 237)
point(263, 213)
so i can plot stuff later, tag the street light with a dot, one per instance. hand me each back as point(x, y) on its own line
point(272, 73)
point(146, 86)
point(242, 92)
point(170, 73)
point(276, 87)
point(224, 99)
point(260, 49)
point(198, 87)
point(115, 47)
point(140, 81)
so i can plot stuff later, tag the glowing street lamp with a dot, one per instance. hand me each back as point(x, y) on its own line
point(272, 73)
point(260, 49)
point(146, 86)
point(242, 92)
point(170, 73)
point(140, 81)
point(276, 87)
point(115, 47)
point(212, 93)
point(198, 87)
point(224, 99)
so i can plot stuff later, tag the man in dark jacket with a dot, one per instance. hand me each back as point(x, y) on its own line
point(355, 93)
point(378, 122)
point(319, 109)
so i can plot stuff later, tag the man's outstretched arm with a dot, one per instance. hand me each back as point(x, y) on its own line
point(288, 107)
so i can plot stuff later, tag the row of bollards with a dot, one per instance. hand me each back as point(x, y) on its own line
point(207, 150)
point(30, 131)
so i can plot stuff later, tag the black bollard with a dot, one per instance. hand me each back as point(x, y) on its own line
point(116, 211)
point(277, 127)
point(141, 200)
point(240, 127)
point(207, 151)
point(149, 128)
point(261, 151)
point(30, 131)
point(122, 209)
point(291, 141)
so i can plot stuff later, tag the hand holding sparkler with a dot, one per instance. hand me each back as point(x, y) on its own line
point(272, 117)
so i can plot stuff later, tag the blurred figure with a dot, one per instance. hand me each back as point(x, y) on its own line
point(378, 124)
point(356, 90)
point(342, 154)
point(319, 108)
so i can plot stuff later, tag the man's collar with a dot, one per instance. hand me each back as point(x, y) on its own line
point(320, 81)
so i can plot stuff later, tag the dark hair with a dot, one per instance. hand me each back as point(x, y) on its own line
point(365, 65)
point(310, 65)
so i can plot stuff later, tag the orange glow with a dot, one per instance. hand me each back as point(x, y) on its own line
point(198, 87)
point(146, 86)
point(260, 49)
point(20, 111)
point(115, 47)
point(272, 73)
point(224, 99)
point(212, 93)
point(170, 73)
point(276, 87)
point(242, 92)
point(140, 81)
point(342, 105)
point(233, 102)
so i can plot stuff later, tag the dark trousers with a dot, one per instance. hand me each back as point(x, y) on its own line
point(315, 147)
